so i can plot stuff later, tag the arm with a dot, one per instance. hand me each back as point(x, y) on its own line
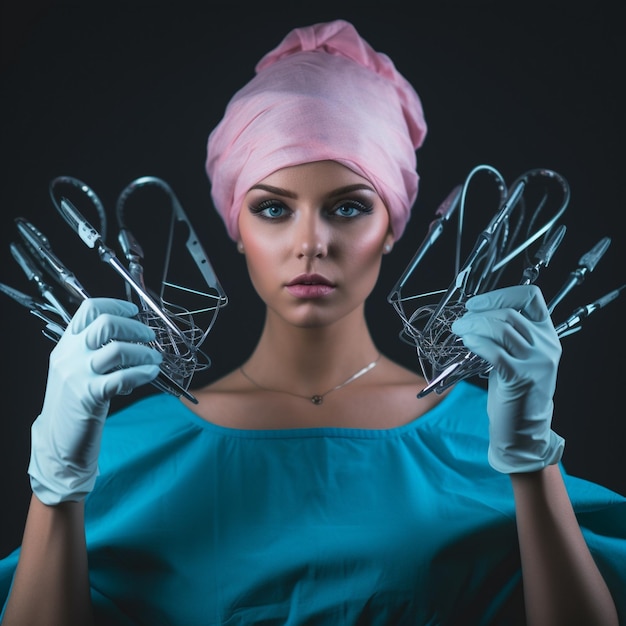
point(51, 584)
point(102, 353)
point(511, 329)
point(562, 584)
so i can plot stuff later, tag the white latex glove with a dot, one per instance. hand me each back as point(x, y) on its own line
point(101, 353)
point(511, 329)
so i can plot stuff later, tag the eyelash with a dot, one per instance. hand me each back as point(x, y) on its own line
point(261, 208)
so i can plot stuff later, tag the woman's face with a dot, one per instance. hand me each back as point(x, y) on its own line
point(313, 236)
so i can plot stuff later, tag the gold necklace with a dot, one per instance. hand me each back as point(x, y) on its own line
point(317, 398)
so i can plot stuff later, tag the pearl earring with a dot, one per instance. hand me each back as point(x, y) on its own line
point(240, 247)
point(388, 247)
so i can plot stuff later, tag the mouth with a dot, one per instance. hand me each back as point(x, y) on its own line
point(310, 279)
point(310, 286)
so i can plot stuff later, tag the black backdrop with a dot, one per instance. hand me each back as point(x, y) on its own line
point(110, 91)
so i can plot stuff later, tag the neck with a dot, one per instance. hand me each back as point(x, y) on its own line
point(310, 360)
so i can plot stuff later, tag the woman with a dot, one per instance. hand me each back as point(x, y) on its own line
point(311, 485)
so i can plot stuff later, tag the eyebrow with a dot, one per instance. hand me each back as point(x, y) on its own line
point(289, 194)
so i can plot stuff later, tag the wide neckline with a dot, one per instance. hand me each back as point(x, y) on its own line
point(323, 431)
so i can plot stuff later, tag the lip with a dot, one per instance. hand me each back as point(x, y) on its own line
point(310, 286)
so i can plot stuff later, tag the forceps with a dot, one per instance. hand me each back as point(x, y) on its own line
point(39, 245)
point(178, 336)
point(54, 329)
point(34, 275)
point(442, 356)
point(530, 274)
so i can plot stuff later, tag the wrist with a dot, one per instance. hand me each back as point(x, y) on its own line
point(533, 457)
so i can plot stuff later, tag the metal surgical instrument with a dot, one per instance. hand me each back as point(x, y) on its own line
point(38, 309)
point(513, 229)
point(178, 335)
point(32, 273)
point(571, 324)
point(34, 239)
point(530, 274)
point(586, 264)
point(216, 297)
point(41, 247)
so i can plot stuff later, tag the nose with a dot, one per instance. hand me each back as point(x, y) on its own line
point(312, 236)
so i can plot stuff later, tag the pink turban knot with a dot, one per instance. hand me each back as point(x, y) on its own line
point(322, 94)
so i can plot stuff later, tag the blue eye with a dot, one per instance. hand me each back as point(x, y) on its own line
point(350, 209)
point(273, 211)
point(270, 209)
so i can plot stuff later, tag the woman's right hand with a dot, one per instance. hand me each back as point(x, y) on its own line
point(102, 353)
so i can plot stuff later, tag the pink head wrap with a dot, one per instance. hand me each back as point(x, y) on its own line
point(322, 94)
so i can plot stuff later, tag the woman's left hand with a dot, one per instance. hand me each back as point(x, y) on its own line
point(511, 329)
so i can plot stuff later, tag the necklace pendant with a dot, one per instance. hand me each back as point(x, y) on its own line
point(316, 399)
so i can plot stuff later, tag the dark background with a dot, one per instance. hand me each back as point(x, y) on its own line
point(110, 91)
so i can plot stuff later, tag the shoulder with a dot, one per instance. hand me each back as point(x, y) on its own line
point(160, 415)
point(150, 406)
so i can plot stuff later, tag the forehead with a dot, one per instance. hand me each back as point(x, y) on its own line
point(326, 174)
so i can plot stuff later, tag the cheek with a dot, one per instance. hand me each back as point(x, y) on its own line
point(257, 259)
point(257, 246)
point(261, 261)
point(366, 248)
point(363, 260)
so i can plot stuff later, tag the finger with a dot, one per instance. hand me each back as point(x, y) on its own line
point(107, 327)
point(527, 299)
point(505, 362)
point(504, 326)
point(122, 382)
point(90, 309)
point(120, 354)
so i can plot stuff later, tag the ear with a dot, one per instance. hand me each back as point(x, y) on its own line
point(389, 240)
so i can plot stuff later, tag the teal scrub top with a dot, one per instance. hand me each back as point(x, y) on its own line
point(195, 524)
